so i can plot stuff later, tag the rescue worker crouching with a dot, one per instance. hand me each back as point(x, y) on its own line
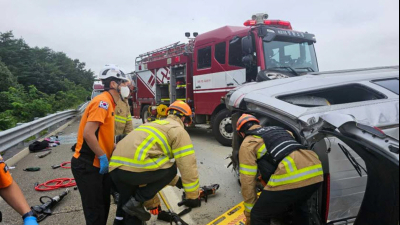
point(12, 194)
point(141, 165)
point(90, 163)
point(292, 174)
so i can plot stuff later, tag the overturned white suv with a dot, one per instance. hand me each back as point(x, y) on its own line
point(313, 107)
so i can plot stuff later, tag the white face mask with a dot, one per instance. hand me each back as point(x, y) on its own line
point(125, 92)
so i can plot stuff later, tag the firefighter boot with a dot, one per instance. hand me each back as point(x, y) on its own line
point(135, 208)
point(116, 197)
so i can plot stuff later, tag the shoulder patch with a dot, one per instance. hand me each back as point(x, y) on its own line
point(104, 105)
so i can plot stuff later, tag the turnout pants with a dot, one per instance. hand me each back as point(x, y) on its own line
point(128, 185)
point(277, 204)
point(95, 191)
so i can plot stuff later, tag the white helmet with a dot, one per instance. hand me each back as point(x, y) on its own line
point(112, 71)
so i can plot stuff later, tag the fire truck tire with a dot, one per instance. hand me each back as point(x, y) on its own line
point(145, 113)
point(222, 127)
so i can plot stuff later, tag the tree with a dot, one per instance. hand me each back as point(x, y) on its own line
point(7, 79)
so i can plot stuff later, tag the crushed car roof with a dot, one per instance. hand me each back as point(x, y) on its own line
point(266, 93)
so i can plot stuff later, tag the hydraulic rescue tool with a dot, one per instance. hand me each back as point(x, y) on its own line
point(205, 192)
point(45, 210)
point(171, 216)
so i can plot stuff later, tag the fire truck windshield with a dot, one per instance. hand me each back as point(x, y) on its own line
point(297, 58)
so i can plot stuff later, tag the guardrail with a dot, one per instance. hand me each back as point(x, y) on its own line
point(14, 136)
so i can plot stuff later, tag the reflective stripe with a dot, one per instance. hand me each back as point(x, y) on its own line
point(161, 122)
point(248, 170)
point(192, 187)
point(146, 145)
point(120, 119)
point(183, 151)
point(291, 141)
point(147, 164)
point(248, 207)
point(288, 165)
point(287, 147)
point(297, 176)
point(129, 119)
point(159, 137)
point(261, 152)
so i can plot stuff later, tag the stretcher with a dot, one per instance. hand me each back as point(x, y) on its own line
point(234, 216)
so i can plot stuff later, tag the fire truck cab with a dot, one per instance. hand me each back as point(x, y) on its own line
point(210, 65)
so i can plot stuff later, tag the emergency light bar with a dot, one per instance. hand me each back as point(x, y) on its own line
point(274, 23)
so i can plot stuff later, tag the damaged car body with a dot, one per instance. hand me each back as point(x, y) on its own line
point(305, 104)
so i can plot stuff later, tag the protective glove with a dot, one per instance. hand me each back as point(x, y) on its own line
point(179, 184)
point(155, 211)
point(30, 221)
point(192, 203)
point(104, 164)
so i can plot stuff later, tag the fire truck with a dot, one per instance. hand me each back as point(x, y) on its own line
point(203, 70)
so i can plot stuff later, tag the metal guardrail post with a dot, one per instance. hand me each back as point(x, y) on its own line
point(18, 134)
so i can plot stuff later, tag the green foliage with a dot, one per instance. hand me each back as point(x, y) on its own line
point(35, 82)
point(7, 79)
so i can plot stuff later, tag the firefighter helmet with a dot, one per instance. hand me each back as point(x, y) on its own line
point(182, 109)
point(244, 119)
point(113, 71)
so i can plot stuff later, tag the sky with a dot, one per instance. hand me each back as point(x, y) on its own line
point(350, 33)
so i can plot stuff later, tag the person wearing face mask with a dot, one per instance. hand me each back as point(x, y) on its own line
point(148, 159)
point(95, 146)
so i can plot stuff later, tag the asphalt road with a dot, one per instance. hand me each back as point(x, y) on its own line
point(212, 168)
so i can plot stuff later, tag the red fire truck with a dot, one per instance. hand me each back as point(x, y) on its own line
point(205, 69)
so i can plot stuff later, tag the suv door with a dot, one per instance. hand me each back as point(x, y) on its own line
point(380, 153)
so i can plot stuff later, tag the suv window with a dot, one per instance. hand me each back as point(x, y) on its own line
point(220, 52)
point(390, 84)
point(235, 52)
point(333, 96)
point(204, 58)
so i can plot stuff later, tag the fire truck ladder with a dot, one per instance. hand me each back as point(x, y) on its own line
point(169, 51)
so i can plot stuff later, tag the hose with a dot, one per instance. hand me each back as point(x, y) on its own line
point(56, 184)
point(66, 163)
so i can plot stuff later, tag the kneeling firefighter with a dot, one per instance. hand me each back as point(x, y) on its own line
point(291, 174)
point(142, 165)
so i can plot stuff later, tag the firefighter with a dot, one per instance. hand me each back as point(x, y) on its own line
point(123, 117)
point(291, 173)
point(12, 194)
point(142, 164)
point(123, 124)
point(95, 145)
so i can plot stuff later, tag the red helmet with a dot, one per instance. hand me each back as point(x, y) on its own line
point(245, 118)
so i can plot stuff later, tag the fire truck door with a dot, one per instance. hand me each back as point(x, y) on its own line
point(235, 78)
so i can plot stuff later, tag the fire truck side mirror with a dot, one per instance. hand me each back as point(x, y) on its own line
point(247, 46)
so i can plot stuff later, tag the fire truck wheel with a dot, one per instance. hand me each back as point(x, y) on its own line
point(222, 127)
point(145, 114)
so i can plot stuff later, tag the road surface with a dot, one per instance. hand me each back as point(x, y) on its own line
point(212, 168)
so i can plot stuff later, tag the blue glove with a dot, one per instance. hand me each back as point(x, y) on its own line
point(104, 164)
point(30, 221)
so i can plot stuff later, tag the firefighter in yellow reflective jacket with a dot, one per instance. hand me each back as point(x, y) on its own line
point(123, 126)
point(123, 118)
point(291, 174)
point(143, 163)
